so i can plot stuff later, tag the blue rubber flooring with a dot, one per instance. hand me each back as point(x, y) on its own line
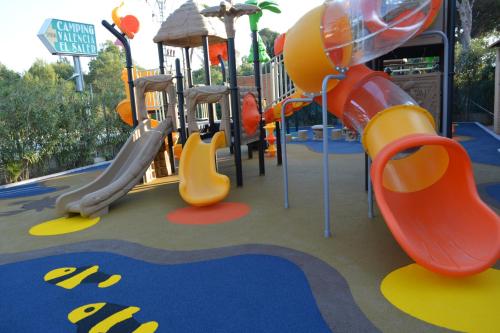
point(247, 293)
point(27, 190)
point(483, 148)
point(39, 188)
point(493, 191)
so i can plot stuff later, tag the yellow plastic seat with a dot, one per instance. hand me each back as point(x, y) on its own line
point(200, 184)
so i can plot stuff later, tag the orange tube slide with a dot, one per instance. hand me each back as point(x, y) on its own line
point(444, 226)
point(423, 183)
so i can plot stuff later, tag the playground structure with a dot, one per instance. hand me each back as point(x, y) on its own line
point(129, 166)
point(200, 184)
point(415, 171)
point(192, 252)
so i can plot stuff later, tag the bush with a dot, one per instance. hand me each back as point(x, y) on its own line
point(475, 82)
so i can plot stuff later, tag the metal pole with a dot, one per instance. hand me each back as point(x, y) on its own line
point(235, 108)
point(256, 69)
point(208, 82)
point(446, 116)
point(326, 175)
point(283, 140)
point(128, 58)
point(161, 59)
point(451, 65)
point(278, 143)
point(370, 190)
point(180, 98)
point(222, 68)
point(366, 172)
point(188, 68)
point(80, 85)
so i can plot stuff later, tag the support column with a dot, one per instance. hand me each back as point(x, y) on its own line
point(188, 68)
point(496, 120)
point(170, 147)
point(235, 109)
point(256, 69)
point(208, 82)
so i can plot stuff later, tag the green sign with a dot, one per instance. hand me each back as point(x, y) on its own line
point(68, 38)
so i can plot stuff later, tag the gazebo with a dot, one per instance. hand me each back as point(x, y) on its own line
point(496, 121)
point(187, 28)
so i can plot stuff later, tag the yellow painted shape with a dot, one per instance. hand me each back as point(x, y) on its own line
point(58, 272)
point(74, 281)
point(63, 225)
point(468, 304)
point(82, 312)
point(114, 319)
point(148, 327)
point(200, 184)
point(395, 123)
point(111, 281)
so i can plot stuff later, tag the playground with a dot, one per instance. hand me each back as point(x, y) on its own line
point(384, 220)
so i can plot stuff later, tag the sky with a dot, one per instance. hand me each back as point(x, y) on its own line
point(20, 21)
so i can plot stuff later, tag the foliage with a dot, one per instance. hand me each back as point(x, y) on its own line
point(268, 36)
point(485, 16)
point(215, 74)
point(246, 68)
point(474, 79)
point(45, 126)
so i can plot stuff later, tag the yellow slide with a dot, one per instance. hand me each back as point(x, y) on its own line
point(200, 184)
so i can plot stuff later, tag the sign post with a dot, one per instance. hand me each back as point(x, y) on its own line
point(72, 39)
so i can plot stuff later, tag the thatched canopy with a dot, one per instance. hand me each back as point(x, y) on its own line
point(185, 27)
point(229, 13)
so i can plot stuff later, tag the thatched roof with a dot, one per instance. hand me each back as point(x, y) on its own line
point(227, 8)
point(185, 27)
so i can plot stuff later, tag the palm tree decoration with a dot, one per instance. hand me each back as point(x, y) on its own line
point(271, 6)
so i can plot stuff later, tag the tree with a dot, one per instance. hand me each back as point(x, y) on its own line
point(464, 9)
point(63, 69)
point(42, 71)
point(268, 37)
point(45, 126)
point(215, 74)
point(28, 117)
point(105, 77)
point(474, 82)
point(485, 14)
point(246, 68)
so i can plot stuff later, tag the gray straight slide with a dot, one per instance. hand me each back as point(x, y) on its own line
point(121, 176)
point(132, 161)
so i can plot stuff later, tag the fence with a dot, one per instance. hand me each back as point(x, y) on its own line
point(276, 84)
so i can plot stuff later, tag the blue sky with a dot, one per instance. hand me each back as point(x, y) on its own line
point(20, 21)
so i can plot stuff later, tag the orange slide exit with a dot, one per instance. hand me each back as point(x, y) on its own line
point(423, 183)
point(445, 226)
